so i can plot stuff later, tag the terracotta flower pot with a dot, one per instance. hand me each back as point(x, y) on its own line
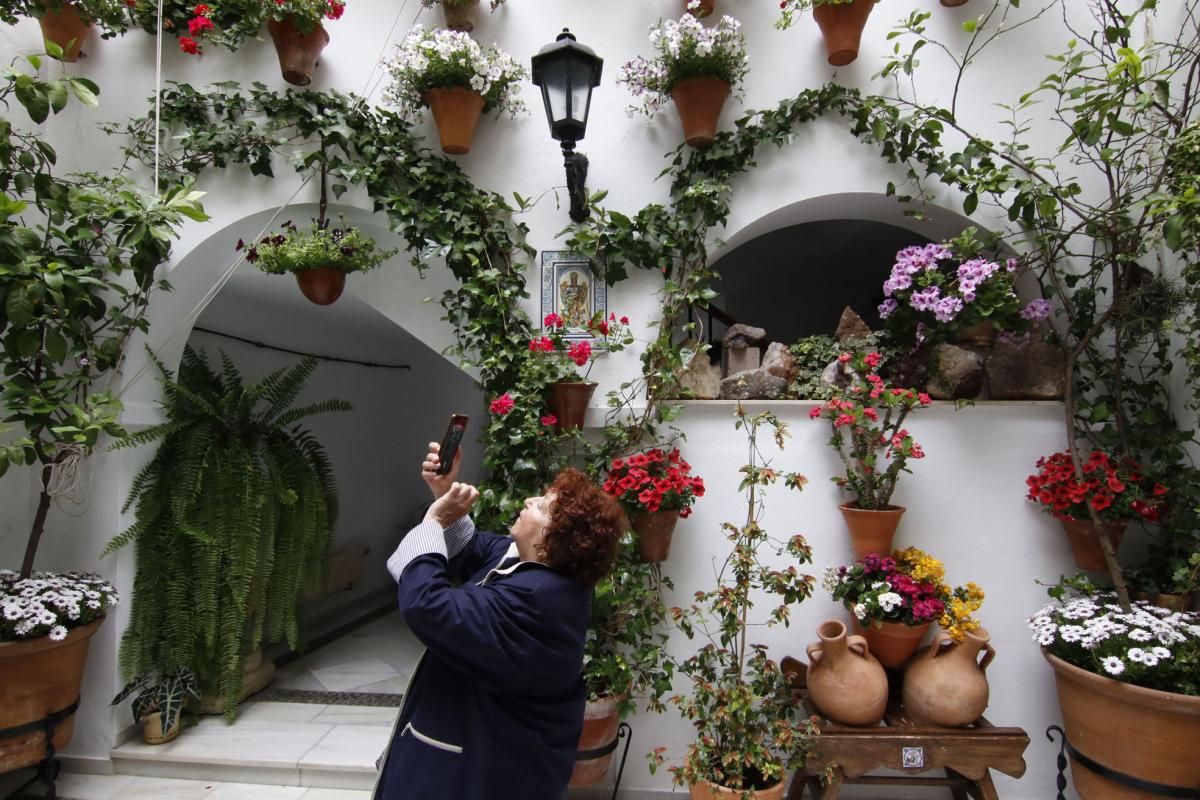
point(871, 531)
point(600, 721)
point(568, 402)
point(298, 53)
point(707, 790)
point(39, 677)
point(842, 26)
point(953, 3)
point(699, 101)
point(701, 11)
point(455, 111)
point(461, 14)
point(152, 731)
point(946, 684)
point(1143, 733)
point(893, 643)
point(321, 286)
point(1085, 543)
point(63, 26)
point(846, 683)
point(981, 334)
point(654, 533)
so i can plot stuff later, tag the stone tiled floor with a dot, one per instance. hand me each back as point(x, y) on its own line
point(134, 787)
point(378, 657)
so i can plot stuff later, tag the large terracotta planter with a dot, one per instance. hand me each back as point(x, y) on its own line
point(568, 402)
point(321, 286)
point(461, 14)
point(711, 791)
point(65, 26)
point(1085, 543)
point(893, 643)
point(600, 721)
point(846, 683)
point(842, 26)
point(297, 53)
point(39, 677)
point(654, 532)
point(699, 101)
point(1143, 733)
point(946, 684)
point(871, 531)
point(455, 112)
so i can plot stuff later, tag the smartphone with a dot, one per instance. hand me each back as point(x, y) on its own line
point(454, 434)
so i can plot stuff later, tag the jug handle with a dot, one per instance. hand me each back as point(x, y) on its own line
point(813, 650)
point(988, 654)
point(936, 647)
point(860, 642)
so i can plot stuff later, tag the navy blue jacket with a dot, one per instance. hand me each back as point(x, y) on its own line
point(495, 707)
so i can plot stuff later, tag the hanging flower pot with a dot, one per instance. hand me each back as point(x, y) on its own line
point(64, 26)
point(298, 52)
point(322, 285)
point(699, 101)
point(460, 14)
point(455, 111)
point(953, 3)
point(893, 643)
point(568, 402)
point(871, 530)
point(842, 26)
point(1085, 541)
point(600, 721)
point(699, 8)
point(654, 530)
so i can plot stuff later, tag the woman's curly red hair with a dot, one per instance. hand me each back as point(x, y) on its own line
point(585, 527)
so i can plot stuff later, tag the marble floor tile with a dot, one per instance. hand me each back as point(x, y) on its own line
point(395, 685)
point(352, 748)
point(245, 743)
point(271, 711)
point(159, 788)
point(356, 715)
point(255, 791)
point(78, 786)
point(345, 677)
point(335, 794)
point(298, 679)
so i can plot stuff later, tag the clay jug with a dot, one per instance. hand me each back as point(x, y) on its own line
point(945, 684)
point(846, 683)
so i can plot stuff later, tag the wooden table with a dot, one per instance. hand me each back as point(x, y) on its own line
point(965, 754)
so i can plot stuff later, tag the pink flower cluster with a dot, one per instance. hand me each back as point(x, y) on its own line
point(654, 481)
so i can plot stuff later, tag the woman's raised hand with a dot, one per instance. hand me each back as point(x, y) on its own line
point(453, 505)
point(439, 484)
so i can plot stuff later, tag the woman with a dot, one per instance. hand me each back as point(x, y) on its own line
point(495, 707)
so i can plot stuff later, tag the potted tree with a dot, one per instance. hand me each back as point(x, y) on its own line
point(241, 539)
point(159, 702)
point(451, 75)
point(67, 23)
point(866, 421)
point(740, 702)
point(655, 489)
point(90, 244)
point(841, 23)
point(623, 657)
point(696, 66)
point(460, 15)
point(319, 256)
point(298, 33)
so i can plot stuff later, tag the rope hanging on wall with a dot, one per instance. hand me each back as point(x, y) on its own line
point(317, 356)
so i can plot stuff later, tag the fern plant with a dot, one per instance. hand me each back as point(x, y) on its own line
point(234, 514)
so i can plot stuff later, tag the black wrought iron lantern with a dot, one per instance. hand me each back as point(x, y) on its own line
point(567, 72)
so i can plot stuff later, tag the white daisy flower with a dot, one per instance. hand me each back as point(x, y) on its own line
point(1113, 665)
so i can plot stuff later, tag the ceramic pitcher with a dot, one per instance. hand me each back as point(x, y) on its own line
point(945, 683)
point(846, 683)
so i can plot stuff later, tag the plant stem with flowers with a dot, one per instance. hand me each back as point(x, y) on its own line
point(345, 249)
point(611, 336)
point(874, 448)
point(654, 481)
point(747, 730)
point(1110, 489)
point(788, 9)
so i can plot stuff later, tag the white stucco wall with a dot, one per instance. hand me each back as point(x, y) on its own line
point(965, 500)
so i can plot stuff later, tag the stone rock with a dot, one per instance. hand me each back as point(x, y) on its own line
point(755, 384)
point(851, 326)
point(702, 378)
point(740, 359)
point(836, 374)
point(740, 335)
point(780, 362)
point(955, 373)
point(1026, 370)
point(910, 370)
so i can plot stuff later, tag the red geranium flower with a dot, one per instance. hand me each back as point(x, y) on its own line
point(189, 45)
point(502, 404)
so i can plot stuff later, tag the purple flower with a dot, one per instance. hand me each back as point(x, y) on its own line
point(1037, 310)
point(947, 308)
point(887, 308)
point(926, 299)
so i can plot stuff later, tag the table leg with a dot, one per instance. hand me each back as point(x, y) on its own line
point(796, 790)
point(834, 787)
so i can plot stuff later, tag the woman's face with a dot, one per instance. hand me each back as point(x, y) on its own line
point(530, 528)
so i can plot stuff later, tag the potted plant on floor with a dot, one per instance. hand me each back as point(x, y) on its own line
point(90, 244)
point(451, 75)
point(223, 557)
point(867, 423)
point(566, 345)
point(655, 489)
point(298, 33)
point(841, 23)
point(67, 23)
point(696, 66)
point(319, 256)
point(740, 702)
point(460, 15)
point(159, 702)
point(623, 657)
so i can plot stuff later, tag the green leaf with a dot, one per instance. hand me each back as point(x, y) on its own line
point(18, 306)
point(56, 345)
point(53, 50)
point(1173, 231)
point(85, 91)
point(57, 93)
point(970, 202)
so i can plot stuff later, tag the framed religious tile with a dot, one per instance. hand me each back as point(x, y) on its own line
point(572, 289)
